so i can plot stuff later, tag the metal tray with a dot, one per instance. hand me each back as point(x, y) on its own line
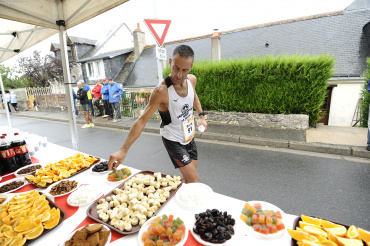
point(296, 224)
point(93, 213)
point(79, 171)
point(61, 219)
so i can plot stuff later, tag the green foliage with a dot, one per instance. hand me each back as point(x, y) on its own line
point(272, 85)
point(364, 108)
point(11, 80)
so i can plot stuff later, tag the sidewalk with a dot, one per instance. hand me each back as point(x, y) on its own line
point(349, 141)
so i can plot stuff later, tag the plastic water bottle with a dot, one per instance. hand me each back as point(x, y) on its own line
point(201, 128)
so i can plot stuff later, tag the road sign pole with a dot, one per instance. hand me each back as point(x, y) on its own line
point(160, 70)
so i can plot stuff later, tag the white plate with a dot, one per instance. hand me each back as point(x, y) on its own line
point(199, 191)
point(22, 175)
point(12, 180)
point(6, 199)
point(97, 173)
point(50, 187)
point(72, 233)
point(265, 206)
point(146, 226)
point(98, 195)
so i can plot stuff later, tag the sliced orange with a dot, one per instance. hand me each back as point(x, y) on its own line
point(54, 219)
point(11, 234)
point(5, 241)
point(349, 242)
point(328, 224)
point(303, 224)
point(309, 243)
point(352, 233)
point(300, 235)
point(3, 214)
point(24, 225)
point(364, 235)
point(18, 241)
point(314, 231)
point(328, 243)
point(36, 232)
point(311, 220)
point(333, 237)
point(339, 231)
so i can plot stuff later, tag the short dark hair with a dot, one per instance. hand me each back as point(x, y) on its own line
point(183, 51)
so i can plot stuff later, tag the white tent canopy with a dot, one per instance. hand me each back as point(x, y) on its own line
point(26, 23)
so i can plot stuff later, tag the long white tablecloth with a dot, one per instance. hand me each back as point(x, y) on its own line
point(53, 153)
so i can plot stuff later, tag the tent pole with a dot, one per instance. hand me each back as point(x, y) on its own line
point(5, 104)
point(67, 78)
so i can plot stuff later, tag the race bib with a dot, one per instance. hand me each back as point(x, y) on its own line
point(188, 127)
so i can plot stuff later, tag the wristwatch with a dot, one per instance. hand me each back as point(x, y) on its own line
point(200, 114)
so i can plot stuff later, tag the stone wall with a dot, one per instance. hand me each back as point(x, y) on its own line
point(279, 121)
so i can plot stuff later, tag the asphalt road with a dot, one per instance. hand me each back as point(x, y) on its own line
point(296, 182)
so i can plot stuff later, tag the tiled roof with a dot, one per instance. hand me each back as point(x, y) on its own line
point(82, 40)
point(107, 55)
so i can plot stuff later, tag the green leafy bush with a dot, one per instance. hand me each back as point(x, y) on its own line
point(272, 85)
point(364, 108)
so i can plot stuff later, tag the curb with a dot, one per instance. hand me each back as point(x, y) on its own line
point(335, 149)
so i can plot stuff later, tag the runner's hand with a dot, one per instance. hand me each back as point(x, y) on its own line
point(115, 159)
point(203, 122)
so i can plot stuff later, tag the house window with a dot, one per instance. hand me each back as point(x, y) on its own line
point(95, 70)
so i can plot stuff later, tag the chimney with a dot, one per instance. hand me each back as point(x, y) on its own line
point(215, 46)
point(139, 41)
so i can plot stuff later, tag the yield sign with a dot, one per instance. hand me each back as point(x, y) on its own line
point(149, 22)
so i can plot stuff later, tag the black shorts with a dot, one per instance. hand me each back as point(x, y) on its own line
point(181, 155)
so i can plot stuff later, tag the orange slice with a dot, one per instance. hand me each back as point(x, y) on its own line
point(11, 234)
point(54, 219)
point(328, 224)
point(314, 231)
point(18, 241)
point(339, 231)
point(349, 242)
point(303, 224)
point(364, 235)
point(309, 243)
point(310, 220)
point(5, 241)
point(36, 232)
point(328, 243)
point(352, 233)
point(300, 235)
point(24, 225)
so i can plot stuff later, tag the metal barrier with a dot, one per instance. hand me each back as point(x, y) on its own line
point(132, 101)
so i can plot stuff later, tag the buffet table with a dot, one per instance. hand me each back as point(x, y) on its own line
point(76, 216)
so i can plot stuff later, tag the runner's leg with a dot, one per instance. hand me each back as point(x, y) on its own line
point(189, 172)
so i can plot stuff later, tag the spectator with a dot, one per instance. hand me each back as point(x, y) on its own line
point(107, 106)
point(13, 101)
point(97, 97)
point(82, 96)
point(115, 92)
point(7, 101)
point(89, 96)
point(74, 101)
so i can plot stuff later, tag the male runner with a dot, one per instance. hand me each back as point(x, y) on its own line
point(175, 98)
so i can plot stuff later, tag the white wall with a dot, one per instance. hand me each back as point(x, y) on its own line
point(343, 101)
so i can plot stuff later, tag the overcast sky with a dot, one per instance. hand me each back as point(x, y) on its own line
point(191, 18)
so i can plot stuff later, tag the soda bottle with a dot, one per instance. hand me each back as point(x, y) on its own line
point(21, 152)
point(7, 155)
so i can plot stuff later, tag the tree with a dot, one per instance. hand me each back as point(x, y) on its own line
point(11, 79)
point(42, 71)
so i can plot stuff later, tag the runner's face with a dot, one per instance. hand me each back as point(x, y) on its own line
point(180, 68)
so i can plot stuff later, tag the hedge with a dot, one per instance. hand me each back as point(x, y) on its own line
point(272, 85)
point(364, 108)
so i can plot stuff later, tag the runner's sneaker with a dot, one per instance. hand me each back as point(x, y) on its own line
point(85, 126)
point(114, 121)
point(105, 116)
point(91, 125)
point(118, 119)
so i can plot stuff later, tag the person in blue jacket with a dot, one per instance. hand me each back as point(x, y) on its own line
point(115, 92)
point(74, 101)
point(107, 106)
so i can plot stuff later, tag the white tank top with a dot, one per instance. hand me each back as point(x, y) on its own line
point(179, 118)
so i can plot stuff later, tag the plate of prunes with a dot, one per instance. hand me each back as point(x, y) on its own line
point(213, 227)
point(100, 168)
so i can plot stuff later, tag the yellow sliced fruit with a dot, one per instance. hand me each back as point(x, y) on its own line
point(309, 243)
point(349, 242)
point(328, 224)
point(333, 237)
point(364, 235)
point(303, 224)
point(5, 241)
point(314, 231)
point(24, 226)
point(54, 219)
point(36, 232)
point(18, 241)
point(328, 243)
point(339, 231)
point(300, 235)
point(45, 216)
point(310, 220)
point(7, 219)
point(26, 232)
point(352, 233)
point(3, 214)
point(18, 221)
point(321, 238)
point(11, 234)
point(4, 228)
